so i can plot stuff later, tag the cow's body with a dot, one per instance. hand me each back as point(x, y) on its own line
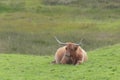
point(59, 56)
point(70, 54)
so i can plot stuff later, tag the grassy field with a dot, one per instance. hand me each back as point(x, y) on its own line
point(28, 26)
point(103, 64)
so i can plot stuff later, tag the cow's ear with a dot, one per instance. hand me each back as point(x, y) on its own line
point(76, 48)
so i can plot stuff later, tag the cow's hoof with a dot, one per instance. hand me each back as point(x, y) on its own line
point(53, 62)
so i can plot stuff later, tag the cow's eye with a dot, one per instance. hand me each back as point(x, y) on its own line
point(66, 48)
point(75, 48)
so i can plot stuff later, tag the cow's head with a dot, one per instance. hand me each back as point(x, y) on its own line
point(71, 49)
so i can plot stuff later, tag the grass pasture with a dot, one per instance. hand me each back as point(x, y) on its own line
point(103, 64)
point(29, 26)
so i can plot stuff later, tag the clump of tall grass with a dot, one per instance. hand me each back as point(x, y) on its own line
point(59, 2)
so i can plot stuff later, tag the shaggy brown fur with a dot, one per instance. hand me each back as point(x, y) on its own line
point(70, 54)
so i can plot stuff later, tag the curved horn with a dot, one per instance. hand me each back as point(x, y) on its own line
point(59, 41)
point(79, 42)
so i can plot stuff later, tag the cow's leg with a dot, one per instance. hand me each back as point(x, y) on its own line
point(63, 61)
point(79, 62)
point(53, 62)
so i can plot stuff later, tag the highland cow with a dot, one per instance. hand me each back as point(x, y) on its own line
point(70, 53)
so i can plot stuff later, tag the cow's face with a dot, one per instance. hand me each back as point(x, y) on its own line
point(70, 52)
point(71, 49)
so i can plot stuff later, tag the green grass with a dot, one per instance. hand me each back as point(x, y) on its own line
point(103, 64)
point(28, 27)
